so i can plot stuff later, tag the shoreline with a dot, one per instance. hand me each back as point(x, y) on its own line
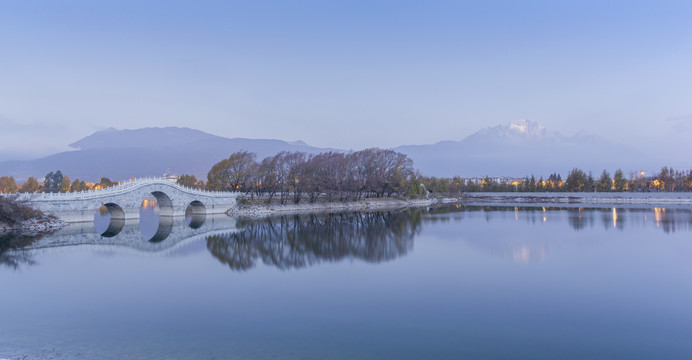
point(577, 200)
point(34, 227)
point(257, 211)
point(681, 200)
point(25, 219)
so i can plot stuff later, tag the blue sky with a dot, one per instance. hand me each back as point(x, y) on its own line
point(346, 74)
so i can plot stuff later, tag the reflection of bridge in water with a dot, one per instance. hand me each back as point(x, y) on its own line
point(284, 242)
point(298, 241)
point(176, 231)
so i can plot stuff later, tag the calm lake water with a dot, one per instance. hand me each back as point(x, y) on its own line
point(448, 283)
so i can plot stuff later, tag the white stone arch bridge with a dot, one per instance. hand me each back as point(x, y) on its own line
point(124, 200)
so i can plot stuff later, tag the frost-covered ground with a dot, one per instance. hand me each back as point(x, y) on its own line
point(624, 199)
point(258, 211)
point(681, 200)
point(33, 227)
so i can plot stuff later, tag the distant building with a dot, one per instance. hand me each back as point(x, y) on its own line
point(501, 180)
point(170, 176)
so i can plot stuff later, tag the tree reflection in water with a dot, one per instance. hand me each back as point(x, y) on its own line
point(298, 241)
point(10, 241)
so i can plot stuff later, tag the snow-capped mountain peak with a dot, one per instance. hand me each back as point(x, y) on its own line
point(521, 126)
point(519, 129)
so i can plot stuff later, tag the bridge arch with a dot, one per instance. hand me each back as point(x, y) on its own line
point(164, 202)
point(172, 199)
point(195, 214)
point(164, 229)
point(116, 220)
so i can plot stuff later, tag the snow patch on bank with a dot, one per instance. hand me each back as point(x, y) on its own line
point(33, 227)
point(260, 211)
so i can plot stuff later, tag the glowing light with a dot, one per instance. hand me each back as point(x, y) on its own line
point(657, 216)
point(523, 254)
point(148, 204)
point(658, 184)
point(615, 218)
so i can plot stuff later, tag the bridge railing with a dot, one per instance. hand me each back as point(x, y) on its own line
point(126, 186)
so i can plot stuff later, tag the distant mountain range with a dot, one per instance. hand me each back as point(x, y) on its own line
point(515, 149)
point(120, 154)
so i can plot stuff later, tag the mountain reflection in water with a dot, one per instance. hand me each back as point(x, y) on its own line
point(298, 241)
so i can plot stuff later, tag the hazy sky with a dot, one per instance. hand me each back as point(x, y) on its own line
point(346, 74)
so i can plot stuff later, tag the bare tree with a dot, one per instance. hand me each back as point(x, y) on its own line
point(237, 173)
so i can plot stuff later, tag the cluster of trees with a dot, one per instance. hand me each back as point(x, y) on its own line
point(460, 185)
point(577, 181)
point(373, 172)
point(53, 182)
point(8, 185)
point(667, 179)
point(190, 181)
point(294, 176)
point(57, 182)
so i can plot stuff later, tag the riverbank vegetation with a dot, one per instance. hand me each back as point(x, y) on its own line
point(53, 182)
point(295, 176)
point(13, 212)
point(577, 180)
